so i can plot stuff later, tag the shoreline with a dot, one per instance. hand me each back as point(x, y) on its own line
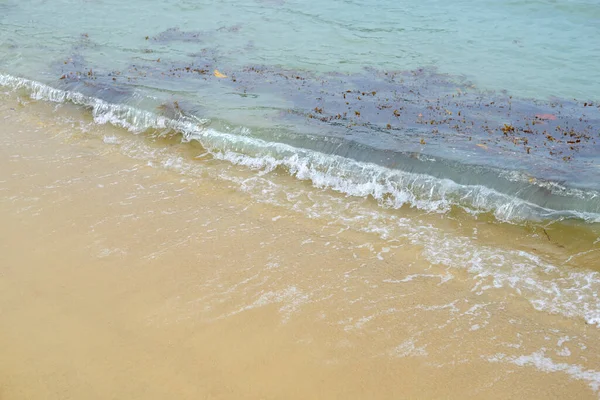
point(120, 279)
point(396, 180)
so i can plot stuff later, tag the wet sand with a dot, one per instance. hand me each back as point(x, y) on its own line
point(122, 280)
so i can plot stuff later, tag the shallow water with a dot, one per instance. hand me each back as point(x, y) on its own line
point(383, 85)
point(532, 48)
point(158, 251)
point(467, 133)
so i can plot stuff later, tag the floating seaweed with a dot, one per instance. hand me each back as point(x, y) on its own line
point(418, 102)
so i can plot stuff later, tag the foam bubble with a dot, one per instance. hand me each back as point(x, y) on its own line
point(543, 363)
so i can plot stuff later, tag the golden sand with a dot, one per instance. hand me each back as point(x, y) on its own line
point(122, 280)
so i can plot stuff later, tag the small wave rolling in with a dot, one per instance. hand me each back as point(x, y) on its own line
point(427, 125)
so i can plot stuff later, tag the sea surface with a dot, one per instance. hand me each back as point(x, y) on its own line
point(489, 107)
point(391, 118)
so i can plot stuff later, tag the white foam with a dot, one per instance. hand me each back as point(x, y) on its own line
point(443, 278)
point(408, 348)
point(539, 361)
point(564, 291)
point(111, 140)
point(564, 352)
point(390, 187)
point(291, 297)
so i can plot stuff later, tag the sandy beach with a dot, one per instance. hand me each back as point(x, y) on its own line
point(291, 199)
point(122, 280)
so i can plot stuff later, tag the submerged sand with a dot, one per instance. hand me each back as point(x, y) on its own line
point(119, 279)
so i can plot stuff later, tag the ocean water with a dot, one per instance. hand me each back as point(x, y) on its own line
point(491, 109)
point(488, 107)
point(442, 125)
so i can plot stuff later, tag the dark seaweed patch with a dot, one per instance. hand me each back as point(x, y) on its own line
point(393, 105)
point(177, 35)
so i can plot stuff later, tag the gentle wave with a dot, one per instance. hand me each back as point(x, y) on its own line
point(390, 187)
point(554, 286)
point(548, 288)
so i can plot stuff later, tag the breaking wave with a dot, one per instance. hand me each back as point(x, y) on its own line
point(390, 187)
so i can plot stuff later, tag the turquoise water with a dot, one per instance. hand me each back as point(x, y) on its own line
point(530, 48)
point(490, 106)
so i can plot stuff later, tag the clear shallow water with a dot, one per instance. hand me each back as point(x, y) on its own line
point(333, 271)
point(292, 67)
point(446, 104)
point(532, 48)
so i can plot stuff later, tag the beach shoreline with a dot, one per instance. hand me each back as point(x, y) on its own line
point(120, 279)
point(289, 199)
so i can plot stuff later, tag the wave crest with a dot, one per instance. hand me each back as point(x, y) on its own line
point(390, 187)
